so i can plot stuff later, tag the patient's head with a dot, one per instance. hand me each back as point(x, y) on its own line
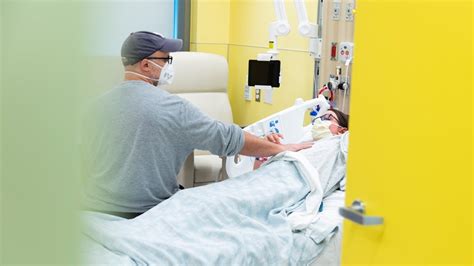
point(333, 122)
point(339, 121)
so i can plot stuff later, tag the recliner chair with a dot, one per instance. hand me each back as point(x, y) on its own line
point(201, 78)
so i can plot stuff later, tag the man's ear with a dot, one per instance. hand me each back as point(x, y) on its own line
point(144, 65)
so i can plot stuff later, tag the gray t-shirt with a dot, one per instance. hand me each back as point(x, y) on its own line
point(136, 138)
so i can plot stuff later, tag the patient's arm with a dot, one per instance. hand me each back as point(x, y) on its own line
point(258, 147)
point(275, 138)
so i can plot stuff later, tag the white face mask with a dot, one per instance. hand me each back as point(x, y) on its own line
point(166, 75)
point(321, 129)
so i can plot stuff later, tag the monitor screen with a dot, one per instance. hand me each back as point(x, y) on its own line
point(264, 73)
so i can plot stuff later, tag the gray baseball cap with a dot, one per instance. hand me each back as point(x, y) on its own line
point(141, 44)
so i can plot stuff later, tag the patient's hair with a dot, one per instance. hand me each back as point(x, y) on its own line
point(341, 117)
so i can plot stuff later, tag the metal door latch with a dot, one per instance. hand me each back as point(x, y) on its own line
point(356, 213)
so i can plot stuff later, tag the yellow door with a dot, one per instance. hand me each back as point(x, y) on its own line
point(410, 153)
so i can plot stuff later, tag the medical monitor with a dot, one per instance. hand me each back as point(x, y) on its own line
point(264, 73)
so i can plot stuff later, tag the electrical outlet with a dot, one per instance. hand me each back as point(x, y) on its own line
point(258, 93)
point(349, 11)
point(336, 9)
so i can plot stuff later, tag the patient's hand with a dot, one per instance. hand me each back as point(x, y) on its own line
point(275, 138)
point(299, 146)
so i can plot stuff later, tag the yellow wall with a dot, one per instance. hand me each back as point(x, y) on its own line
point(238, 30)
point(210, 26)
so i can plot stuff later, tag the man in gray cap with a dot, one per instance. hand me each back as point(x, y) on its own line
point(139, 135)
point(157, 69)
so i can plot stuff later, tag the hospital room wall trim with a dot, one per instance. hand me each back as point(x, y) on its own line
point(251, 46)
point(265, 47)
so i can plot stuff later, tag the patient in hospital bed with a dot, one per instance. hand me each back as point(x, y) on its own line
point(332, 123)
point(329, 152)
point(280, 214)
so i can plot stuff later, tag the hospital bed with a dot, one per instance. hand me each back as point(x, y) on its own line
point(290, 123)
point(188, 220)
point(235, 222)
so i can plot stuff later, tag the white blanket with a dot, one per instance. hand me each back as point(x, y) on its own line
point(271, 216)
point(240, 221)
point(302, 217)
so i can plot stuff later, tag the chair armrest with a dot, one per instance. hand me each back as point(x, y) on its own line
point(223, 173)
point(186, 174)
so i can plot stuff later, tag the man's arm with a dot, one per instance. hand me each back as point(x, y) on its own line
point(254, 146)
point(204, 133)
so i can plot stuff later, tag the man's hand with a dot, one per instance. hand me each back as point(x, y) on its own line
point(298, 147)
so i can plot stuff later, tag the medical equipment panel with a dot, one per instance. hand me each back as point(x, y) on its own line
point(345, 51)
point(338, 53)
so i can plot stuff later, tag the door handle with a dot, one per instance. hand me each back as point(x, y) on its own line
point(356, 213)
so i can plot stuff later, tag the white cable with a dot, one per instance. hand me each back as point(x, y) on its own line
point(348, 62)
point(344, 100)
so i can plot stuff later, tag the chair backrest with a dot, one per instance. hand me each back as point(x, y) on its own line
point(201, 78)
